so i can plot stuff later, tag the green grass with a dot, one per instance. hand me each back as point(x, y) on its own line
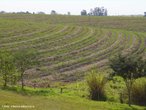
point(74, 96)
point(57, 101)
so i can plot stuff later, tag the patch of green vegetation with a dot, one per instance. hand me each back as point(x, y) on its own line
point(59, 101)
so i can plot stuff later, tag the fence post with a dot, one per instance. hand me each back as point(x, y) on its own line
point(61, 90)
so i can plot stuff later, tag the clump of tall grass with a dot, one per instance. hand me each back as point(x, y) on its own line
point(96, 83)
point(139, 91)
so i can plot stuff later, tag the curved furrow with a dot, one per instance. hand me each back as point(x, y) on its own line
point(75, 34)
point(52, 46)
point(96, 63)
point(73, 53)
point(99, 64)
point(84, 37)
point(64, 53)
point(38, 45)
point(26, 42)
point(33, 39)
point(135, 47)
point(39, 42)
point(95, 57)
point(129, 50)
point(13, 31)
point(58, 41)
point(69, 64)
point(141, 43)
point(27, 35)
point(8, 34)
point(10, 29)
point(91, 63)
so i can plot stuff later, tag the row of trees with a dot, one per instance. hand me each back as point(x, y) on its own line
point(13, 66)
point(53, 12)
point(97, 11)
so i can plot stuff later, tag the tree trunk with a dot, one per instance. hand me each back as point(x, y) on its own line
point(129, 83)
point(22, 81)
point(5, 80)
point(129, 97)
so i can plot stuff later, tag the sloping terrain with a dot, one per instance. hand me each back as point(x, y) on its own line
point(69, 46)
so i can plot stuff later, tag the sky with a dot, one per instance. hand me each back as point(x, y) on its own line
point(114, 7)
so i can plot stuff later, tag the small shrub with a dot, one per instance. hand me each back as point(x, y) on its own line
point(115, 90)
point(96, 83)
point(139, 92)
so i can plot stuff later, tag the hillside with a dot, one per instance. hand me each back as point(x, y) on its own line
point(69, 46)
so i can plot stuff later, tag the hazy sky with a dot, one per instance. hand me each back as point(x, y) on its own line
point(115, 7)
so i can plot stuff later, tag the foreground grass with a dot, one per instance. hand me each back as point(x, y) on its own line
point(57, 102)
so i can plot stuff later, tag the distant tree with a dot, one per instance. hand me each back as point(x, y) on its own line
point(25, 60)
point(7, 67)
point(98, 11)
point(105, 12)
point(68, 13)
point(21, 12)
point(13, 12)
point(83, 12)
point(40, 12)
point(145, 14)
point(130, 68)
point(27, 12)
point(53, 12)
point(2, 12)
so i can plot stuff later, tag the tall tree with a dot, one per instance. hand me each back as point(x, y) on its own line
point(53, 12)
point(130, 68)
point(7, 68)
point(24, 60)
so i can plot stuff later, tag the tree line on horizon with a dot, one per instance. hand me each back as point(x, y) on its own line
point(97, 11)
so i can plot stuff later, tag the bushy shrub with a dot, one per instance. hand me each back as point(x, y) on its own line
point(96, 83)
point(139, 92)
point(115, 90)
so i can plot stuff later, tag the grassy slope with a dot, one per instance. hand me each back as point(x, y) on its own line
point(36, 23)
point(59, 102)
point(71, 45)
